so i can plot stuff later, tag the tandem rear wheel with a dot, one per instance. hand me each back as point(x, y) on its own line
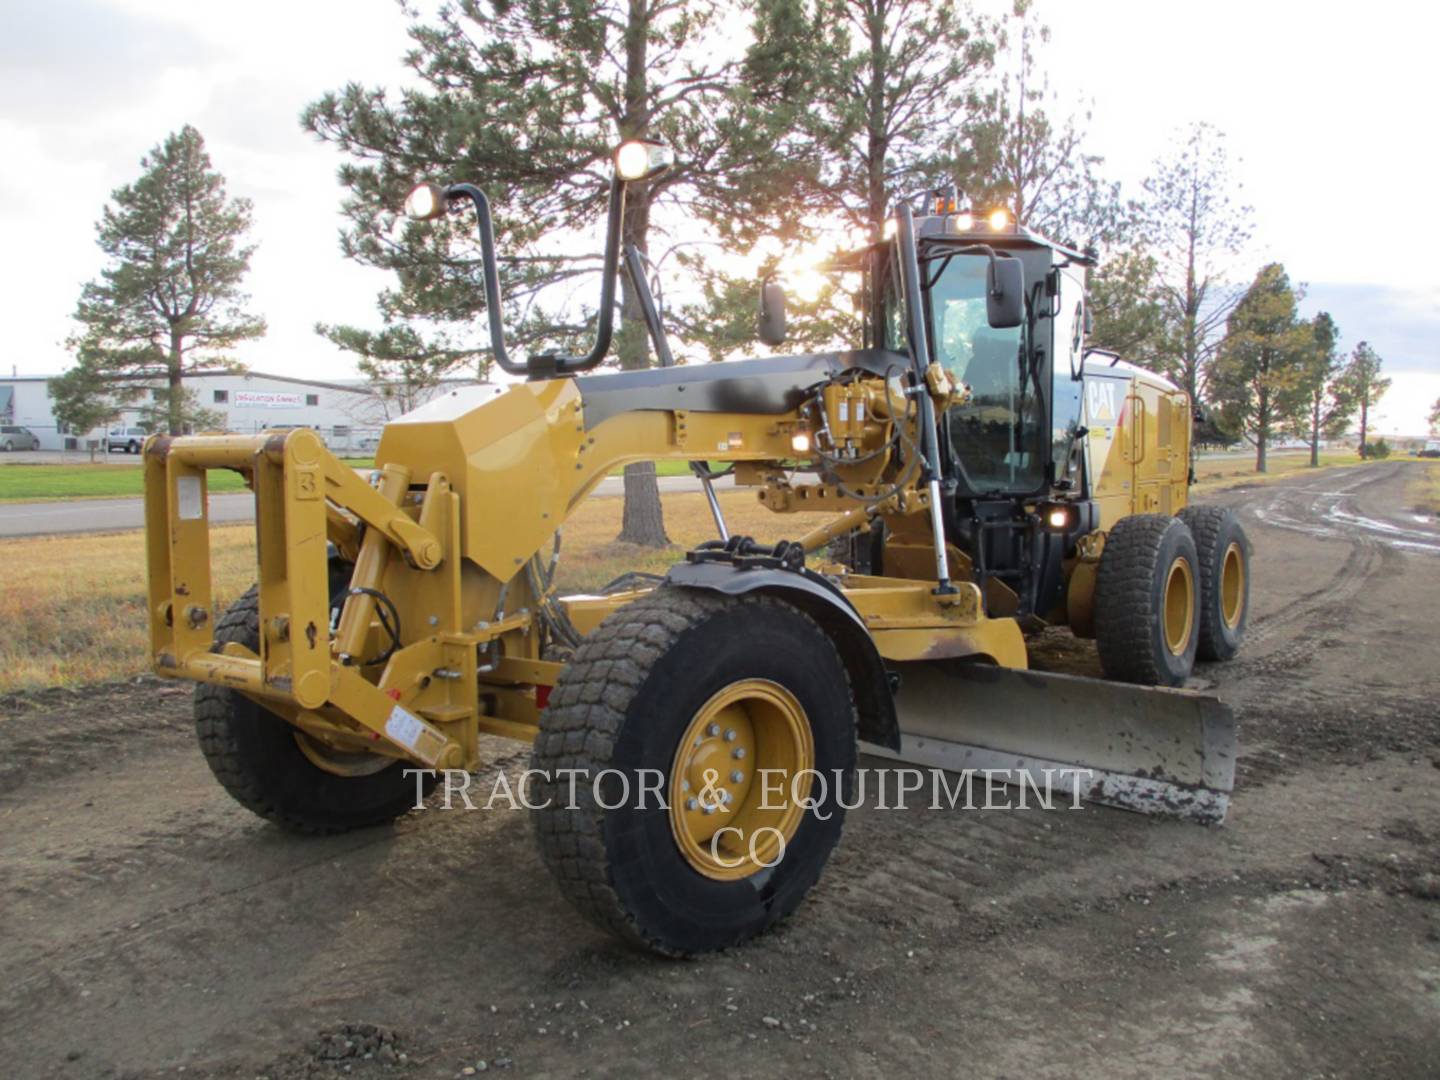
point(1224, 553)
point(690, 767)
point(1148, 601)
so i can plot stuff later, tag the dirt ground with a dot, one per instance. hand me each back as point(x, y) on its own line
point(149, 926)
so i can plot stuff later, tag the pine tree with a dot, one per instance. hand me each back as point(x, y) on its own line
point(528, 99)
point(169, 302)
point(1257, 377)
point(1129, 311)
point(1329, 403)
point(1193, 225)
point(1034, 157)
point(1365, 385)
point(877, 100)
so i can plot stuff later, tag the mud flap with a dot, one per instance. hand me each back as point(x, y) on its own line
point(1169, 752)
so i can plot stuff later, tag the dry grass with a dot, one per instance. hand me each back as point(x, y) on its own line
point(590, 557)
point(1422, 491)
point(1215, 474)
point(74, 606)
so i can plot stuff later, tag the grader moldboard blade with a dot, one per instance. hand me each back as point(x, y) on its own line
point(1156, 751)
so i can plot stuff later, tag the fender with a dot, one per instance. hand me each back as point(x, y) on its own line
point(826, 604)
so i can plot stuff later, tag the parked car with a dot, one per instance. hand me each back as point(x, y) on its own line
point(125, 440)
point(1432, 449)
point(14, 437)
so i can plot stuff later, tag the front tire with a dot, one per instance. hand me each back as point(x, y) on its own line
point(267, 766)
point(676, 687)
point(1147, 610)
point(1224, 553)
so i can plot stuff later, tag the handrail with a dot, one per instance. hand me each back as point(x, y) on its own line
point(546, 365)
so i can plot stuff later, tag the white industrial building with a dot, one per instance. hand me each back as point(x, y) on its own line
point(348, 416)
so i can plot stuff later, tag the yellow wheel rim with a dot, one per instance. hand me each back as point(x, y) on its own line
point(739, 778)
point(1178, 606)
point(340, 762)
point(1232, 586)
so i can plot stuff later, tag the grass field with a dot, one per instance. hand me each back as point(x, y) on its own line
point(45, 483)
point(1213, 474)
point(76, 614)
point(41, 483)
point(1423, 490)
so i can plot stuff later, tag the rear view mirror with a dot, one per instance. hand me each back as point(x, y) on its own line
point(1005, 293)
point(771, 328)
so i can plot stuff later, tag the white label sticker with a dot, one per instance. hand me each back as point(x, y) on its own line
point(190, 502)
point(404, 728)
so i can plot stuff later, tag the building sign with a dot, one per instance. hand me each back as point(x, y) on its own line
point(263, 399)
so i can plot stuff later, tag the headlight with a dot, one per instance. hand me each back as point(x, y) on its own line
point(641, 159)
point(425, 201)
point(999, 219)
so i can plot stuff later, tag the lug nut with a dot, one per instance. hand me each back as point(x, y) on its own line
point(739, 753)
point(730, 735)
point(691, 804)
point(737, 776)
point(708, 810)
point(713, 729)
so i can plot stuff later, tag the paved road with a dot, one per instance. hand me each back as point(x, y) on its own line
point(111, 515)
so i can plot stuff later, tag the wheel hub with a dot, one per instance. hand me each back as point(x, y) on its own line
point(736, 782)
point(1178, 606)
point(1232, 586)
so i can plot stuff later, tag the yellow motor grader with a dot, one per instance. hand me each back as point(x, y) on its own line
point(984, 474)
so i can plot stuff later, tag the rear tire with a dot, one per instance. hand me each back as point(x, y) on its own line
point(1224, 553)
point(1147, 610)
point(256, 756)
point(638, 696)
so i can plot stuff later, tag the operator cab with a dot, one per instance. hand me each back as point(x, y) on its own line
point(1012, 453)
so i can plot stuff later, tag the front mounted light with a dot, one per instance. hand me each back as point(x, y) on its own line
point(425, 201)
point(642, 159)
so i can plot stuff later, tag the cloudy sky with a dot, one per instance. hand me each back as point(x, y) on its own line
point(1328, 108)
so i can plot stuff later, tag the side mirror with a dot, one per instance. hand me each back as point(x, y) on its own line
point(1005, 293)
point(771, 328)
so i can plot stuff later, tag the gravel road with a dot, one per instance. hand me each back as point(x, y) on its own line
point(148, 924)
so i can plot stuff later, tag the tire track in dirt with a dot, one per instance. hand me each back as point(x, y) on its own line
point(1292, 705)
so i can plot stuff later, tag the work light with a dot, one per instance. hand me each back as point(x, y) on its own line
point(641, 159)
point(425, 201)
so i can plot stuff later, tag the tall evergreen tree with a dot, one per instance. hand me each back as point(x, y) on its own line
point(528, 99)
point(1129, 312)
point(1193, 225)
point(894, 99)
point(169, 301)
point(1365, 385)
point(879, 100)
point(1257, 377)
point(1329, 403)
point(1033, 153)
